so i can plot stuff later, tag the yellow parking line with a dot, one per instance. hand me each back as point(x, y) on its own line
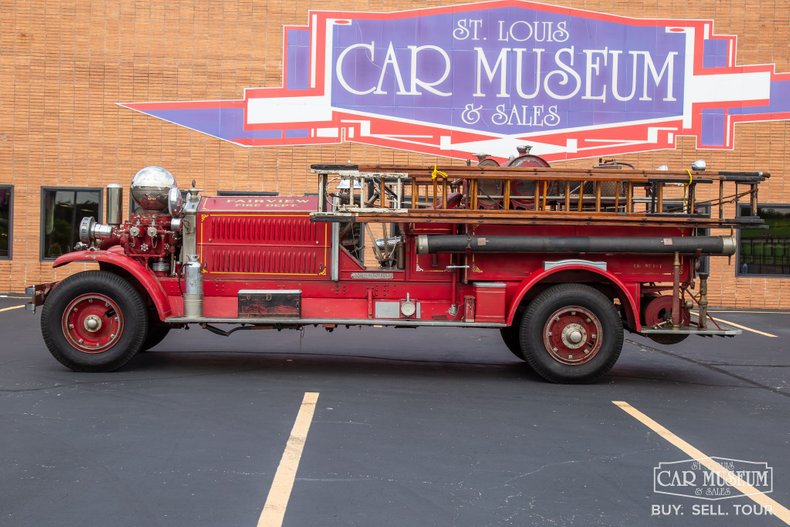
point(776, 508)
point(277, 500)
point(745, 328)
point(12, 307)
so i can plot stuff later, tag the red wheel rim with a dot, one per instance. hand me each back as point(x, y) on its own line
point(92, 323)
point(572, 335)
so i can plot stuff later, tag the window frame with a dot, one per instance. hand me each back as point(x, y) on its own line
point(10, 224)
point(738, 273)
point(42, 209)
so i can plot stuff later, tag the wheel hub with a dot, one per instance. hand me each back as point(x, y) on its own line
point(572, 335)
point(92, 323)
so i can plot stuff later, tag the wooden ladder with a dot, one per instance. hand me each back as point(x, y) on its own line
point(515, 195)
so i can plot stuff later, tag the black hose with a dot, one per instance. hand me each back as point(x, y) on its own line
point(720, 245)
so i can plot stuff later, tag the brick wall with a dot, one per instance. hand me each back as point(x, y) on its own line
point(65, 63)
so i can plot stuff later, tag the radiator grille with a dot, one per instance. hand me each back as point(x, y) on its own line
point(263, 260)
point(260, 229)
point(263, 244)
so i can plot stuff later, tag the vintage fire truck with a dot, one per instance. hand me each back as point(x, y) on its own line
point(559, 260)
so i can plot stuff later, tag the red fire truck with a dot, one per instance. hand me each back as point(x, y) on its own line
point(559, 260)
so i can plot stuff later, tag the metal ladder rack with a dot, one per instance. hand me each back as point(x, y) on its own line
point(515, 195)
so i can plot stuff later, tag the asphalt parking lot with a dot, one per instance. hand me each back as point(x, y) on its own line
point(428, 427)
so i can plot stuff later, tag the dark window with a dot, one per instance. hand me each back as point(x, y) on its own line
point(765, 250)
point(62, 210)
point(246, 193)
point(6, 216)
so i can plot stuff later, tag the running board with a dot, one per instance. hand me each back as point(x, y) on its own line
point(296, 322)
point(725, 331)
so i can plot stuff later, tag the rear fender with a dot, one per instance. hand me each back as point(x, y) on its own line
point(138, 271)
point(539, 275)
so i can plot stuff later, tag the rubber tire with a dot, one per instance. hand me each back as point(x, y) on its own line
point(510, 335)
point(121, 292)
point(537, 314)
point(157, 331)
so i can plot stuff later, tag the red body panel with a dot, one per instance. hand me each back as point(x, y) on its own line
point(252, 243)
point(142, 274)
point(270, 243)
point(630, 291)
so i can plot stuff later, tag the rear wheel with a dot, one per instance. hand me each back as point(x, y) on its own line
point(94, 321)
point(571, 333)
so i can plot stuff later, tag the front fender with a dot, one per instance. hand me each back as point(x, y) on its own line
point(140, 273)
point(539, 275)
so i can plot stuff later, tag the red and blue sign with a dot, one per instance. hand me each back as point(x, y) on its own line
point(486, 77)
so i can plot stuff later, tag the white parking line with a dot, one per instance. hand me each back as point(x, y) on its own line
point(11, 308)
point(777, 509)
point(277, 500)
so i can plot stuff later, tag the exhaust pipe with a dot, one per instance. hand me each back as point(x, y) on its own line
point(114, 204)
point(718, 245)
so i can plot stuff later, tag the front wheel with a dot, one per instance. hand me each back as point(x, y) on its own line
point(157, 331)
point(512, 341)
point(94, 321)
point(571, 333)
